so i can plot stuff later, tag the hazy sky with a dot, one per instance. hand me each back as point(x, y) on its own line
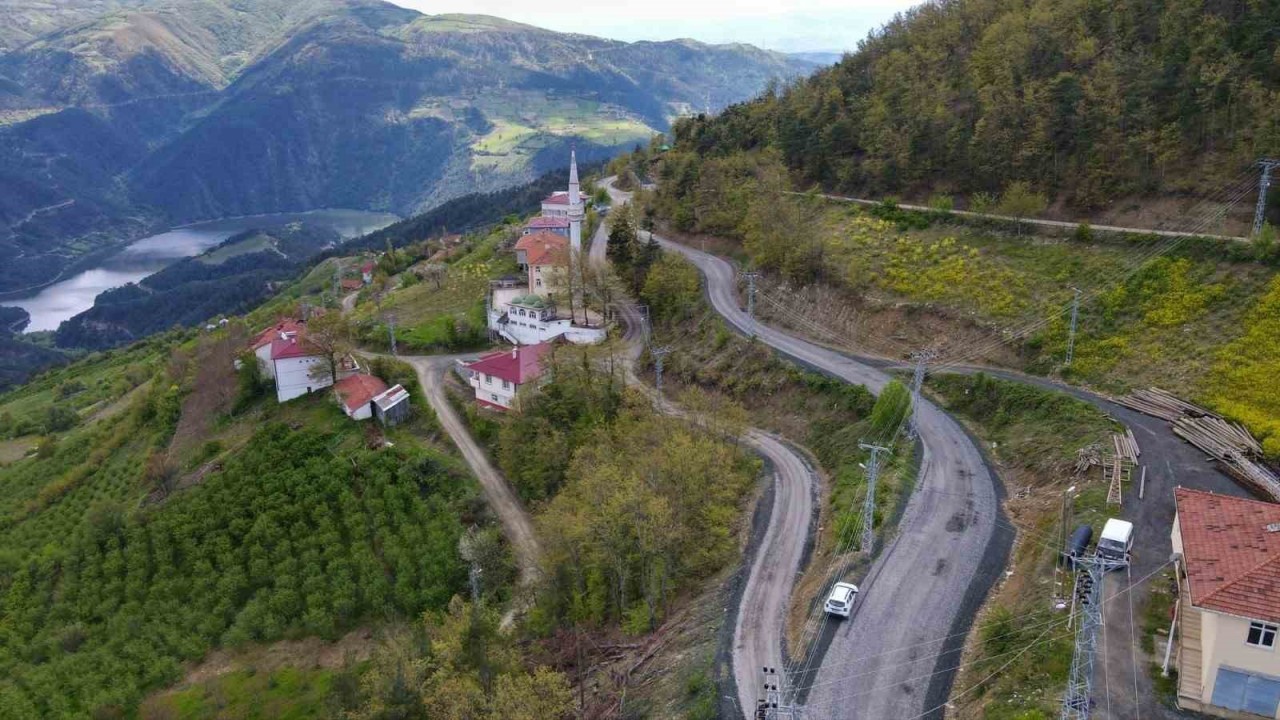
point(787, 25)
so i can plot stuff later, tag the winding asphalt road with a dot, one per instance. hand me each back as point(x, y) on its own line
point(761, 613)
point(932, 576)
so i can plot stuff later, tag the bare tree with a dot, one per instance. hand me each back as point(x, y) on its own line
point(331, 336)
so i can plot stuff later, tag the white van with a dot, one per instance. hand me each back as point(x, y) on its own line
point(840, 601)
point(1116, 540)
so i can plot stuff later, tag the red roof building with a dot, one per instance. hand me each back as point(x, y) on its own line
point(543, 223)
point(1231, 550)
point(498, 376)
point(287, 325)
point(356, 393)
point(1228, 621)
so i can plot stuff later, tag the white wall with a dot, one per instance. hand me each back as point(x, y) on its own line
point(263, 353)
point(490, 389)
point(364, 412)
point(294, 377)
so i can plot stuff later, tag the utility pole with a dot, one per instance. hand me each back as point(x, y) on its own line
point(644, 322)
point(391, 330)
point(1075, 316)
point(922, 358)
point(869, 505)
point(1078, 698)
point(751, 298)
point(658, 354)
point(1259, 213)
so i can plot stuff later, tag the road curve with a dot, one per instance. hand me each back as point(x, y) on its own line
point(516, 524)
point(933, 575)
point(777, 560)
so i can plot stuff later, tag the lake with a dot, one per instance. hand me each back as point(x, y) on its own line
point(66, 298)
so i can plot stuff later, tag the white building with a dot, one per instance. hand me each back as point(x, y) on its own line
point(528, 319)
point(1228, 624)
point(571, 204)
point(356, 393)
point(498, 377)
point(296, 367)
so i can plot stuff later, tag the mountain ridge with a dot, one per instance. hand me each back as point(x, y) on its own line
point(132, 116)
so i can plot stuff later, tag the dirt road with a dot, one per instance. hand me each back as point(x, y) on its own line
point(932, 576)
point(515, 520)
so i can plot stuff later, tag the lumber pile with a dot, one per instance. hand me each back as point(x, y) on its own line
point(1160, 403)
point(1229, 443)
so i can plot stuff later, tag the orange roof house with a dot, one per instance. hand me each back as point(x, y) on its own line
point(1229, 609)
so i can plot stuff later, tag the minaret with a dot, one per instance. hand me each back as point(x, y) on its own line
point(575, 205)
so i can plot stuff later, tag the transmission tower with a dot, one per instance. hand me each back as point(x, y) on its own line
point(869, 505)
point(775, 705)
point(1259, 213)
point(922, 359)
point(1090, 572)
point(1071, 336)
point(751, 299)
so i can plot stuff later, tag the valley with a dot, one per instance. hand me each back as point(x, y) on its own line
point(649, 379)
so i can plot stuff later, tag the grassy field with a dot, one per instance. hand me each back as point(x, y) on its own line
point(1191, 320)
point(251, 244)
point(285, 693)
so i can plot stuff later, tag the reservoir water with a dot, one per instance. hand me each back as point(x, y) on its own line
point(66, 298)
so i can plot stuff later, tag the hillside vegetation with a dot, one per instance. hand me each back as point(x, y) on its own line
point(1190, 315)
point(1088, 101)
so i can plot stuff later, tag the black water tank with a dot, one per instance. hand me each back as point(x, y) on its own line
point(1077, 545)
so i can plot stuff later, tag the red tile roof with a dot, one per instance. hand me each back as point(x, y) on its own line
point(273, 332)
point(356, 391)
point(519, 365)
point(562, 197)
point(1231, 551)
point(367, 267)
point(293, 346)
point(548, 222)
point(352, 284)
point(544, 248)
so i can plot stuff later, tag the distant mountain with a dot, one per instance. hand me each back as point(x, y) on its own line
point(121, 116)
point(817, 58)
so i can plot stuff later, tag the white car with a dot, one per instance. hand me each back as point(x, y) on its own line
point(840, 601)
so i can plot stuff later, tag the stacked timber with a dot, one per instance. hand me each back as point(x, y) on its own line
point(1160, 403)
point(1229, 443)
point(1126, 446)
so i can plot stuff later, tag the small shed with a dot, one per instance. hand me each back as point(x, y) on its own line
point(392, 406)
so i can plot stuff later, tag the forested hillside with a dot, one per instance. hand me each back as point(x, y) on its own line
point(1087, 101)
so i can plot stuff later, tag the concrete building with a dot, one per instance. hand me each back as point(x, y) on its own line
point(356, 393)
point(557, 224)
point(296, 367)
point(1229, 604)
point(498, 377)
point(527, 319)
point(545, 257)
point(570, 205)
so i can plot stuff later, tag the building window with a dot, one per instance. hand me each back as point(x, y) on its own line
point(493, 397)
point(1262, 635)
point(506, 385)
point(538, 282)
point(488, 379)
